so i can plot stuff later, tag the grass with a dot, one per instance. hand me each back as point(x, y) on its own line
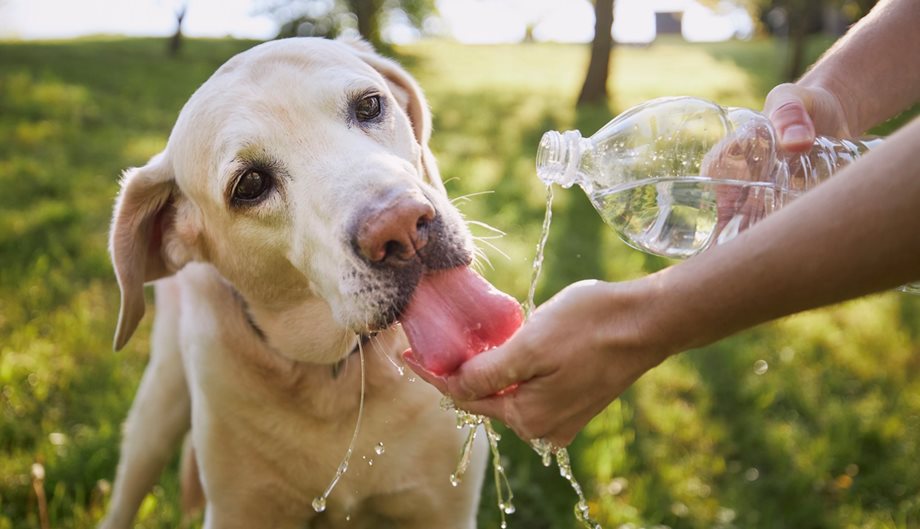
point(825, 437)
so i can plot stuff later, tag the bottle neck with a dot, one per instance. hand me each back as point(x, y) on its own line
point(558, 156)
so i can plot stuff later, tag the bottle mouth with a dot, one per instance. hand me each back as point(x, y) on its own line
point(555, 158)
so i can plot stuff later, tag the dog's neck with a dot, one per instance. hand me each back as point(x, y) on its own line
point(302, 332)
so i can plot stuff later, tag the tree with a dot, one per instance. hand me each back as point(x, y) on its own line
point(594, 89)
point(175, 42)
point(328, 18)
point(796, 20)
point(368, 14)
point(802, 17)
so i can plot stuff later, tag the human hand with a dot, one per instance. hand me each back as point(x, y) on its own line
point(799, 113)
point(738, 160)
point(576, 353)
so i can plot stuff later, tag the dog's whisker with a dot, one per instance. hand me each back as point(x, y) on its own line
point(483, 257)
point(479, 257)
point(486, 226)
point(466, 197)
point(399, 369)
point(373, 342)
point(496, 248)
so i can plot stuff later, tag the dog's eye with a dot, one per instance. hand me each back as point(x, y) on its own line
point(368, 108)
point(252, 186)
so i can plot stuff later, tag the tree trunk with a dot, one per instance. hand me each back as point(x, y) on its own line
point(796, 61)
point(805, 18)
point(368, 14)
point(594, 90)
point(175, 42)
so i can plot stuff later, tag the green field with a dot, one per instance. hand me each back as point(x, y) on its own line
point(826, 437)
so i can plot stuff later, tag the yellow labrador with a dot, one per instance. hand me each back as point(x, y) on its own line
point(289, 220)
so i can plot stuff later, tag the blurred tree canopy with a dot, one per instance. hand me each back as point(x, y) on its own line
point(797, 19)
point(794, 20)
point(329, 18)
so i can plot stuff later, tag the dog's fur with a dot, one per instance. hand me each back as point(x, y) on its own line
point(260, 307)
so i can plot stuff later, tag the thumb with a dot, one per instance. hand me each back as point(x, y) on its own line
point(787, 108)
point(489, 373)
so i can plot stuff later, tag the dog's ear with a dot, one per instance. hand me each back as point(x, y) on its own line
point(411, 99)
point(142, 240)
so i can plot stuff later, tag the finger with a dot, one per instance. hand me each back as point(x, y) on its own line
point(490, 373)
point(507, 410)
point(503, 408)
point(494, 407)
point(427, 376)
point(786, 107)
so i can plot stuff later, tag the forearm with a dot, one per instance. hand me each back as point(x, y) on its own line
point(872, 70)
point(855, 234)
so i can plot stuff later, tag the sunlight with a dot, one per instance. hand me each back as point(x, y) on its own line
point(468, 21)
point(482, 21)
point(43, 19)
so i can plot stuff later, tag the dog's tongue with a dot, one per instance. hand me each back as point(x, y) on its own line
point(454, 315)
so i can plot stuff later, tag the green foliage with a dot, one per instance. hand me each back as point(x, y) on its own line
point(328, 18)
point(825, 437)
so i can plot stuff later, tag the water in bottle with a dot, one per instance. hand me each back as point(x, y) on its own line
point(675, 176)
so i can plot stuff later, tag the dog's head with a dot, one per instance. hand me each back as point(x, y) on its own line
point(299, 170)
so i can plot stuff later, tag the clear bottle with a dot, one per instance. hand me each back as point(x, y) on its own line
point(674, 176)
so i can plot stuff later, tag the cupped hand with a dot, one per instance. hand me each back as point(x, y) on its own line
point(576, 353)
point(799, 113)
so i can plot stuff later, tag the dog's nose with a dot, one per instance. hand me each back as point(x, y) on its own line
point(394, 231)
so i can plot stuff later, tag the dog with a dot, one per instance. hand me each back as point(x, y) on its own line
point(286, 224)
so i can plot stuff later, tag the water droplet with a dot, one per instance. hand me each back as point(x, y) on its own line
point(347, 517)
point(319, 504)
point(412, 379)
point(509, 508)
point(725, 515)
point(617, 486)
point(787, 354)
point(401, 370)
point(680, 509)
point(760, 367)
point(751, 474)
point(504, 524)
point(544, 449)
point(370, 462)
point(454, 480)
point(379, 449)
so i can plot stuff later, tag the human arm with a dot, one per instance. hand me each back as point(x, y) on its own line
point(854, 234)
point(866, 77)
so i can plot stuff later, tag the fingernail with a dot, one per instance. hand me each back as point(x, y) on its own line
point(796, 134)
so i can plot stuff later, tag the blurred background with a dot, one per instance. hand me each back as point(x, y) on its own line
point(811, 421)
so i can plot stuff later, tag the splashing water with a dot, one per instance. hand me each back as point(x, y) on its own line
point(503, 491)
point(319, 502)
point(543, 448)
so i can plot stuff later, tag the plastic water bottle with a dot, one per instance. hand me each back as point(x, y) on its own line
point(674, 176)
